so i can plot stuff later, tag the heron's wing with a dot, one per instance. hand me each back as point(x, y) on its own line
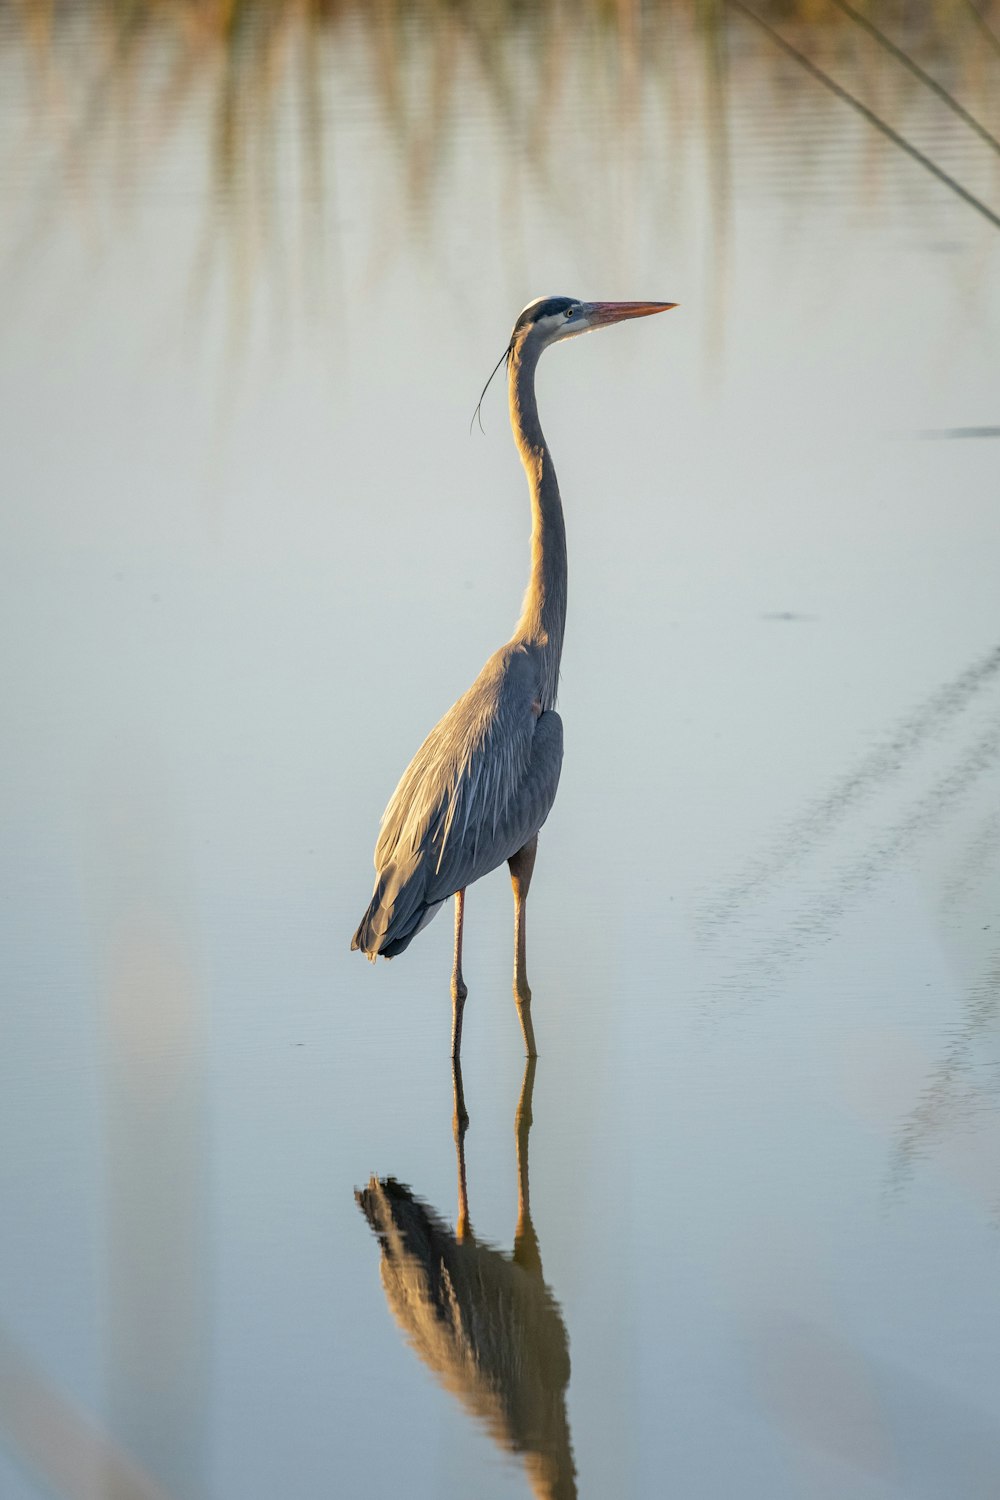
point(487, 840)
point(477, 789)
point(468, 766)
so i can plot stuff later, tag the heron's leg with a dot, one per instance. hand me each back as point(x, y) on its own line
point(460, 1124)
point(458, 987)
point(526, 1252)
point(521, 865)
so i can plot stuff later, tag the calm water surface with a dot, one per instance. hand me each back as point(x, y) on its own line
point(738, 1232)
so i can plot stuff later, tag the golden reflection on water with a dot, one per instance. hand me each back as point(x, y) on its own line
point(484, 1323)
point(272, 86)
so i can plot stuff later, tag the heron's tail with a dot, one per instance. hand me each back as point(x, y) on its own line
point(395, 915)
point(370, 934)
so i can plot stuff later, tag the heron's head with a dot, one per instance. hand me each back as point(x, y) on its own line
point(549, 319)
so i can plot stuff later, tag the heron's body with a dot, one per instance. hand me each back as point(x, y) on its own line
point(484, 780)
point(480, 786)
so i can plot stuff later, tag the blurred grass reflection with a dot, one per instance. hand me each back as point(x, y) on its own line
point(59, 1443)
point(272, 84)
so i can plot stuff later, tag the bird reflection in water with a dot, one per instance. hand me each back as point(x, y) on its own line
point(484, 1322)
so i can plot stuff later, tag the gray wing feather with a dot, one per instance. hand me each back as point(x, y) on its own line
point(484, 847)
point(477, 789)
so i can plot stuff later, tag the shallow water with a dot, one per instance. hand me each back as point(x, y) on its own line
point(251, 553)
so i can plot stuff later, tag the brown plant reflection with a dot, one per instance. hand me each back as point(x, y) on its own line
point(484, 1323)
point(59, 1443)
point(276, 90)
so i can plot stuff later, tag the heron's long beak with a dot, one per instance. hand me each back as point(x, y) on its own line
point(601, 313)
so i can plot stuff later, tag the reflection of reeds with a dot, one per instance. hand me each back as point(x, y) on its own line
point(155, 1335)
point(922, 76)
point(962, 1088)
point(961, 1091)
point(134, 69)
point(60, 1444)
point(156, 1326)
point(877, 769)
point(870, 115)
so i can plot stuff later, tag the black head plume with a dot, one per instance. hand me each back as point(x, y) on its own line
point(477, 413)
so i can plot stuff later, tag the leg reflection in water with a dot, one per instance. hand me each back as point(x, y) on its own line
point(483, 1322)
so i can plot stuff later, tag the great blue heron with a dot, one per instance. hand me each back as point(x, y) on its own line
point(482, 783)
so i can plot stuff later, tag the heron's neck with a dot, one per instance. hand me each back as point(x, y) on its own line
point(543, 614)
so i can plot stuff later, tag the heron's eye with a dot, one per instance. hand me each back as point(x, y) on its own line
point(569, 312)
